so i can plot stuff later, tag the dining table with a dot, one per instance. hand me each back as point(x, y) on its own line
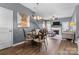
point(36, 38)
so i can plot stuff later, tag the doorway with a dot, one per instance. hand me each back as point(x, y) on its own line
point(6, 28)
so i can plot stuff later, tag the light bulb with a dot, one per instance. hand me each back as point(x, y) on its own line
point(34, 17)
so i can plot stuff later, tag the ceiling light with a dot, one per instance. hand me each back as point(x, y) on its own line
point(37, 17)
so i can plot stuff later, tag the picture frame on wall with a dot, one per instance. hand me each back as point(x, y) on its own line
point(23, 20)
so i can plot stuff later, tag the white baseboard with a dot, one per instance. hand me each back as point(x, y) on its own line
point(18, 43)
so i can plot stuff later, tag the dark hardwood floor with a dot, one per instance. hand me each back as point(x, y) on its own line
point(54, 47)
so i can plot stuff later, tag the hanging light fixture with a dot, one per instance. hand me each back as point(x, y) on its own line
point(37, 17)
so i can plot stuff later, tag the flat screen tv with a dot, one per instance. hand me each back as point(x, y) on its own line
point(56, 23)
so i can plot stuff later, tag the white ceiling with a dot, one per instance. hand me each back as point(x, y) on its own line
point(47, 10)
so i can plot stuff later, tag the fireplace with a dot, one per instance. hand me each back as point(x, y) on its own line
point(56, 31)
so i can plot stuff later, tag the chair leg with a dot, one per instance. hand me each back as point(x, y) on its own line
point(45, 46)
point(46, 41)
point(39, 46)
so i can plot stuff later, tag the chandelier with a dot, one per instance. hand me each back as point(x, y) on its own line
point(37, 17)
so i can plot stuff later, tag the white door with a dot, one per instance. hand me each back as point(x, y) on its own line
point(6, 28)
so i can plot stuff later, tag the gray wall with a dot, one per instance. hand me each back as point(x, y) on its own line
point(74, 20)
point(76, 14)
point(18, 35)
point(65, 19)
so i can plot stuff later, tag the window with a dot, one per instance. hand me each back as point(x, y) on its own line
point(65, 26)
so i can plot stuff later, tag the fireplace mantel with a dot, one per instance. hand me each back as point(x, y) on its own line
point(57, 28)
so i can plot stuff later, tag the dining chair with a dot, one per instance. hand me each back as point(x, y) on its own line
point(29, 38)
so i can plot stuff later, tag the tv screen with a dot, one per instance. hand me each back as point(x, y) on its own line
point(56, 23)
